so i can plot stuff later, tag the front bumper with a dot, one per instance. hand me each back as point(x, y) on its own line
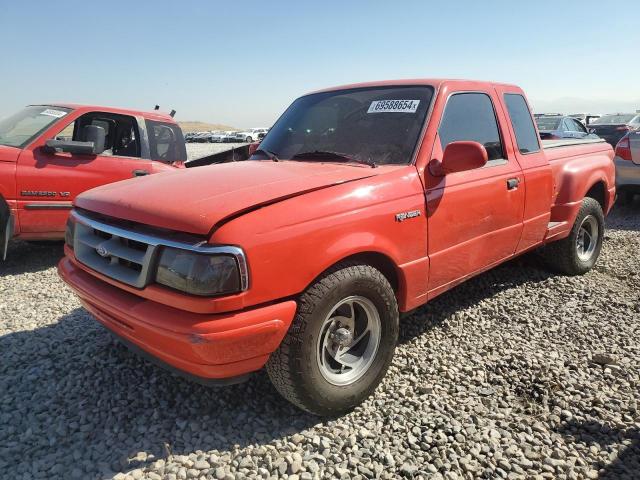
point(204, 347)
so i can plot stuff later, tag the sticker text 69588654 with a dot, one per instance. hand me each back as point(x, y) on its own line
point(393, 106)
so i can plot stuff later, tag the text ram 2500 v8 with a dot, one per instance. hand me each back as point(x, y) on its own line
point(361, 202)
point(51, 153)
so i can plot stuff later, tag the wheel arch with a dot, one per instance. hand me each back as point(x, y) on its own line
point(598, 191)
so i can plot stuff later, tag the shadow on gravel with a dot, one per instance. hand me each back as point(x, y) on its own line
point(97, 405)
point(625, 217)
point(626, 465)
point(23, 257)
point(512, 274)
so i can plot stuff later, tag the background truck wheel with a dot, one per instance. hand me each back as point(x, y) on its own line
point(249, 140)
point(578, 253)
point(340, 342)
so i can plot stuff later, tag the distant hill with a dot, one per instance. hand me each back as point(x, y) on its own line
point(192, 126)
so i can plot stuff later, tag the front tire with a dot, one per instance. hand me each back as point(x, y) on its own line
point(578, 253)
point(340, 342)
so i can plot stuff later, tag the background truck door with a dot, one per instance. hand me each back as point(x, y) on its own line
point(47, 183)
point(475, 216)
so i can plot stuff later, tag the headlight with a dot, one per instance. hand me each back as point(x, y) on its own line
point(198, 273)
point(69, 232)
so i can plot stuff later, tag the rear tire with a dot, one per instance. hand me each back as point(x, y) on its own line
point(249, 140)
point(578, 253)
point(340, 342)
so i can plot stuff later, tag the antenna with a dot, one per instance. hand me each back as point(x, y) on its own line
point(157, 107)
point(172, 113)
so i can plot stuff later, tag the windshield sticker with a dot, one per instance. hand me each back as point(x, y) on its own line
point(53, 113)
point(393, 106)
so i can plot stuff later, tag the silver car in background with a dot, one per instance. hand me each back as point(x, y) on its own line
point(627, 163)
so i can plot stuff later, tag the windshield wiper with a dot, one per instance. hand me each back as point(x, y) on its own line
point(270, 155)
point(325, 154)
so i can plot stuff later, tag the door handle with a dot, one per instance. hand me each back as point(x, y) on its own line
point(140, 173)
point(513, 183)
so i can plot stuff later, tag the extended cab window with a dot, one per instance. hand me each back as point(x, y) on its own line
point(378, 125)
point(166, 142)
point(526, 136)
point(470, 117)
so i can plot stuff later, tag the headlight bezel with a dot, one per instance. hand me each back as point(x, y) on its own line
point(193, 257)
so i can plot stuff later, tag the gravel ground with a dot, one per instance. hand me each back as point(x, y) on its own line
point(515, 374)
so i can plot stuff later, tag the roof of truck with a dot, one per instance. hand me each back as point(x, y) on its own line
point(153, 115)
point(436, 82)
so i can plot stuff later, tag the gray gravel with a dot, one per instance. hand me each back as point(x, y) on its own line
point(515, 374)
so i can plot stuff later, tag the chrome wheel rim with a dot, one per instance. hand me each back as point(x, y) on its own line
point(349, 340)
point(587, 238)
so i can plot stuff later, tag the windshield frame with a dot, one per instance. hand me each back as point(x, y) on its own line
point(49, 125)
point(421, 134)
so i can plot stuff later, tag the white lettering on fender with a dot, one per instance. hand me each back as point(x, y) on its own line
point(402, 216)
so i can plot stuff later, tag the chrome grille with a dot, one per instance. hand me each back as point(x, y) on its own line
point(129, 256)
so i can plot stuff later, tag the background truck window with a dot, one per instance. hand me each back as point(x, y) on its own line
point(470, 117)
point(526, 135)
point(166, 142)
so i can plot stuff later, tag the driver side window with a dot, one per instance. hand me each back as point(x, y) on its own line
point(122, 138)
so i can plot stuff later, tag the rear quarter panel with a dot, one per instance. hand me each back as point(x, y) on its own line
point(576, 169)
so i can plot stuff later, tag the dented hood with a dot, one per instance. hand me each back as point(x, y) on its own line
point(194, 200)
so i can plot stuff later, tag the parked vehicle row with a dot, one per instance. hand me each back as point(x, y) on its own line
point(230, 136)
point(361, 202)
point(610, 127)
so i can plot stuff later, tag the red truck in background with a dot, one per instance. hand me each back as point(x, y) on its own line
point(361, 202)
point(51, 153)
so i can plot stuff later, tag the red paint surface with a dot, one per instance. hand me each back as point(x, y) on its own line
point(295, 220)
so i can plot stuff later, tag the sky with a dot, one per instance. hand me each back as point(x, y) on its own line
point(242, 63)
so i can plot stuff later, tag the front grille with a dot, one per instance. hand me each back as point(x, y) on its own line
point(112, 252)
point(131, 256)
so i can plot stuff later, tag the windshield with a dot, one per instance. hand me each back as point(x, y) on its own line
point(611, 119)
point(548, 123)
point(21, 128)
point(377, 125)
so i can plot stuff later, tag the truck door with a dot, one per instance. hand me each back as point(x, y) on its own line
point(475, 216)
point(47, 183)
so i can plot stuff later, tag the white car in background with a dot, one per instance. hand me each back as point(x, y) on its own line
point(250, 135)
point(219, 137)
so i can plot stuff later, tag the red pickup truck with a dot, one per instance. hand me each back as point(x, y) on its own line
point(361, 202)
point(51, 153)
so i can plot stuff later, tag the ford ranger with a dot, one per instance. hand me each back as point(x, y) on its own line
point(51, 153)
point(361, 202)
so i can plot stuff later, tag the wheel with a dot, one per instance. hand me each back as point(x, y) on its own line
point(249, 139)
point(340, 342)
point(577, 253)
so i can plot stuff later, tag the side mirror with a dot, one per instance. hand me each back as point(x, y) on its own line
point(459, 157)
point(93, 144)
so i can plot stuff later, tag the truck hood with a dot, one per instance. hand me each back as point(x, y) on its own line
point(194, 200)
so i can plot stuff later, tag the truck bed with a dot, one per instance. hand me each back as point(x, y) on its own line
point(565, 142)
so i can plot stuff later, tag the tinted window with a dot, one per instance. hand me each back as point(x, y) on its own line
point(166, 142)
point(373, 124)
point(578, 127)
point(470, 116)
point(526, 136)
